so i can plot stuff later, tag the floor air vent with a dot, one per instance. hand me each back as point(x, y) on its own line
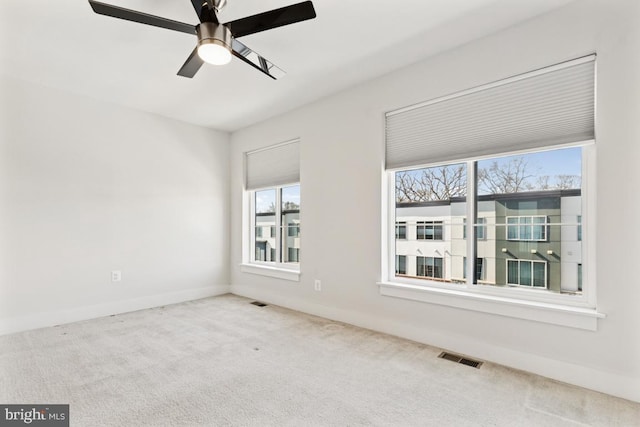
point(259, 304)
point(459, 359)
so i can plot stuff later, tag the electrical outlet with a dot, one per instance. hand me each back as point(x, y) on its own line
point(317, 285)
point(116, 276)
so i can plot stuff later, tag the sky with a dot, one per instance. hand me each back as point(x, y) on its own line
point(267, 198)
point(567, 161)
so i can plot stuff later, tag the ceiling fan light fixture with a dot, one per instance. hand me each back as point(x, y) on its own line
point(214, 43)
point(214, 53)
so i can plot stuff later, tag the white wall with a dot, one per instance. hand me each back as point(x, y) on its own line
point(341, 164)
point(88, 187)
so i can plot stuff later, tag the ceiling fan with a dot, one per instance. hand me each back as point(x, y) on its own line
point(218, 42)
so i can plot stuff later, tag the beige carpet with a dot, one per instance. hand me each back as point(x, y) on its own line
point(224, 362)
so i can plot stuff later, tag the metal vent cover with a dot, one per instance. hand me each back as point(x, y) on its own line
point(259, 304)
point(460, 359)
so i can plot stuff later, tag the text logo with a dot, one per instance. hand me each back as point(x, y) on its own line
point(34, 415)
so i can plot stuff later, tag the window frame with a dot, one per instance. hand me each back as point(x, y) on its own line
point(277, 269)
point(480, 226)
point(432, 225)
point(479, 277)
point(398, 264)
point(426, 265)
point(401, 225)
point(518, 226)
point(519, 261)
point(516, 301)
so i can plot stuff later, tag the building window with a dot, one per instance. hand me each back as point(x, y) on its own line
point(278, 209)
point(401, 230)
point(580, 277)
point(527, 273)
point(479, 268)
point(401, 264)
point(261, 251)
point(429, 230)
point(293, 229)
point(429, 267)
point(579, 231)
point(294, 255)
point(480, 226)
point(528, 228)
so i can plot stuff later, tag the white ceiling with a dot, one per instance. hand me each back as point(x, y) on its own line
point(65, 45)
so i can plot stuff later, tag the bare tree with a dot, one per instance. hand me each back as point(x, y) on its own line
point(424, 185)
point(566, 182)
point(542, 182)
point(557, 182)
point(505, 177)
point(290, 206)
point(499, 177)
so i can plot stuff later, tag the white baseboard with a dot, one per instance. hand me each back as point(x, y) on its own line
point(34, 321)
point(626, 387)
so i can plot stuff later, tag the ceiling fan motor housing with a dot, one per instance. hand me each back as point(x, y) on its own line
point(208, 32)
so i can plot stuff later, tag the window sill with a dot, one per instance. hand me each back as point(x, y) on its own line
point(573, 317)
point(265, 270)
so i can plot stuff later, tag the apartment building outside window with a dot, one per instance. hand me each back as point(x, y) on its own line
point(516, 222)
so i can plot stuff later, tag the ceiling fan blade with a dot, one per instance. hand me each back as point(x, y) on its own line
point(205, 10)
point(258, 62)
point(191, 65)
point(143, 18)
point(272, 19)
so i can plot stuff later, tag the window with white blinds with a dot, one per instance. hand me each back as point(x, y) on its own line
point(544, 108)
point(273, 166)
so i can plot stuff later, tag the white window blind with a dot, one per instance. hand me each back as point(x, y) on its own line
point(271, 166)
point(543, 108)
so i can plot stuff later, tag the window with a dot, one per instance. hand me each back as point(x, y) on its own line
point(429, 267)
point(401, 264)
point(579, 231)
point(481, 229)
point(479, 268)
point(429, 230)
point(527, 273)
point(272, 188)
point(293, 229)
point(401, 230)
point(277, 209)
point(519, 165)
point(294, 254)
point(264, 218)
point(580, 277)
point(532, 228)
